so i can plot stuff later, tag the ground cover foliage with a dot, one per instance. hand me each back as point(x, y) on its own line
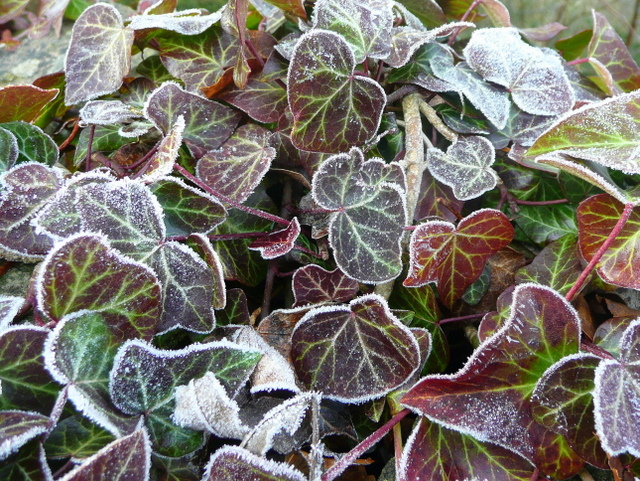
point(283, 240)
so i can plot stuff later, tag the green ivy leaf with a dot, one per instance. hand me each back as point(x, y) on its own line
point(620, 264)
point(453, 257)
point(489, 398)
point(366, 230)
point(76, 437)
point(336, 350)
point(99, 54)
point(333, 109)
point(546, 223)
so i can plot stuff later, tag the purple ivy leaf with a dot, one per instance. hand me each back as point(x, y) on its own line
point(609, 333)
point(26, 384)
point(489, 398)
point(185, 22)
point(99, 54)
point(312, 284)
point(125, 459)
point(465, 167)
point(231, 463)
point(162, 162)
point(235, 310)
point(85, 273)
point(207, 124)
point(616, 398)
point(87, 377)
point(365, 25)
point(366, 230)
point(24, 191)
point(333, 109)
point(187, 289)
point(202, 245)
point(536, 79)
point(262, 101)
point(9, 307)
point(436, 453)
point(18, 427)
point(107, 112)
point(562, 402)
point(338, 350)
point(237, 167)
point(144, 378)
point(277, 243)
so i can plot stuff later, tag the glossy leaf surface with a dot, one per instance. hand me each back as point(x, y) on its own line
point(24, 102)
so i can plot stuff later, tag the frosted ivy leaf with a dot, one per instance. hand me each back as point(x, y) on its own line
point(536, 78)
point(284, 419)
point(273, 371)
point(19, 427)
point(186, 22)
point(8, 149)
point(204, 404)
point(107, 112)
point(232, 463)
point(466, 167)
point(99, 54)
point(9, 307)
point(365, 24)
point(162, 162)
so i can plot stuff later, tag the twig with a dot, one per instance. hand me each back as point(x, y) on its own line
point(87, 159)
point(463, 19)
point(432, 116)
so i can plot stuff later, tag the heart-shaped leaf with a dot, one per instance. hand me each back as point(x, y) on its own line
point(244, 158)
point(87, 377)
point(366, 231)
point(231, 463)
point(453, 257)
point(365, 25)
point(84, 272)
point(436, 453)
point(278, 243)
point(604, 132)
point(536, 79)
point(24, 102)
point(489, 398)
point(335, 350)
point(124, 459)
point(333, 109)
point(617, 384)
point(312, 284)
point(620, 264)
point(17, 428)
point(466, 167)
point(207, 124)
point(99, 54)
point(34, 145)
point(24, 191)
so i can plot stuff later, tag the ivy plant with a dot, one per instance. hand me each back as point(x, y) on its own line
point(309, 241)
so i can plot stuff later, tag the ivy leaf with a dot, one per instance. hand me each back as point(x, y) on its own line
point(366, 230)
point(17, 428)
point(187, 289)
point(25, 190)
point(107, 112)
point(439, 454)
point(8, 149)
point(466, 167)
point(536, 79)
point(144, 378)
point(556, 266)
point(522, 128)
point(162, 161)
point(546, 223)
point(604, 132)
point(94, 203)
point(610, 51)
point(34, 145)
point(238, 166)
point(333, 109)
point(312, 284)
point(562, 402)
point(99, 54)
point(336, 350)
point(26, 384)
point(453, 257)
point(187, 210)
point(489, 398)
point(615, 398)
point(262, 101)
point(84, 273)
point(198, 60)
point(125, 458)
point(12, 9)
point(278, 243)
point(620, 264)
point(231, 463)
point(9, 307)
point(24, 102)
point(365, 25)
point(87, 377)
point(106, 138)
point(202, 245)
point(76, 437)
point(28, 464)
point(208, 124)
point(186, 22)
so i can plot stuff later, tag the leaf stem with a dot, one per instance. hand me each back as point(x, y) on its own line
point(87, 160)
point(540, 202)
point(463, 19)
point(624, 217)
point(578, 61)
point(461, 318)
point(227, 200)
point(72, 135)
point(345, 461)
